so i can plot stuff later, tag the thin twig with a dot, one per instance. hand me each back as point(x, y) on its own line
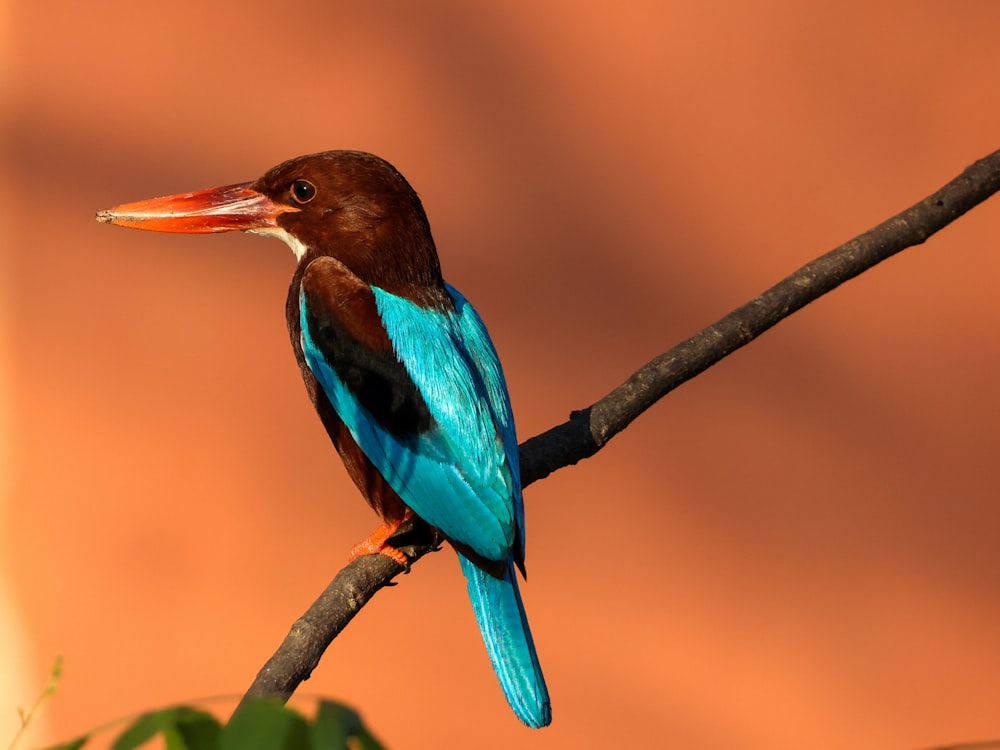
point(589, 430)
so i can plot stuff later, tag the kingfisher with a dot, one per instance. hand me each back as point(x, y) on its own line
point(400, 368)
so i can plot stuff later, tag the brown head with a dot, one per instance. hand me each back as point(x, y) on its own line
point(351, 205)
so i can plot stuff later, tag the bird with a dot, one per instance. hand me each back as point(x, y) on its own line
point(400, 368)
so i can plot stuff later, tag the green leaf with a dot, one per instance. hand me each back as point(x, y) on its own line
point(256, 725)
point(72, 744)
point(265, 725)
point(140, 731)
point(182, 728)
point(328, 732)
point(366, 741)
point(336, 724)
point(197, 730)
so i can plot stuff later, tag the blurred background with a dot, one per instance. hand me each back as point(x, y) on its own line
point(798, 549)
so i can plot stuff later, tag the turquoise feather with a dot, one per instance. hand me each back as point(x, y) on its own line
point(462, 475)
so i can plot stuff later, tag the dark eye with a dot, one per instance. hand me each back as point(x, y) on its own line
point(302, 191)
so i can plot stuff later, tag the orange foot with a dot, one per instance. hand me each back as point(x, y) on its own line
point(375, 544)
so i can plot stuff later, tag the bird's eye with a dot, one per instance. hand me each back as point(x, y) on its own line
point(302, 191)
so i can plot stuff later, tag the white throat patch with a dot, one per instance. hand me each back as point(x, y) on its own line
point(297, 247)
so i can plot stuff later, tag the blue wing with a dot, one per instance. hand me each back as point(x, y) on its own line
point(460, 473)
point(423, 395)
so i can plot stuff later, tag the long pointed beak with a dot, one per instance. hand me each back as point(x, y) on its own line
point(224, 209)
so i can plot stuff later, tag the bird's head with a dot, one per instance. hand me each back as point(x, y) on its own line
point(348, 204)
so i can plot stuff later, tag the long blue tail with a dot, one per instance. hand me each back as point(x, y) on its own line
point(500, 614)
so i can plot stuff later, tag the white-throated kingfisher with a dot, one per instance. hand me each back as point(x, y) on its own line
point(400, 369)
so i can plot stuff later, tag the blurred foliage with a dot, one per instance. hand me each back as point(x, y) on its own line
point(27, 717)
point(255, 725)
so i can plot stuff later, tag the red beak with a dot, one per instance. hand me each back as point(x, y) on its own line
point(223, 209)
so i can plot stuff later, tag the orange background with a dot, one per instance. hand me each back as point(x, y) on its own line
point(797, 550)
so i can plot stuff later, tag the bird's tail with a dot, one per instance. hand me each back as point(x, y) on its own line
point(500, 614)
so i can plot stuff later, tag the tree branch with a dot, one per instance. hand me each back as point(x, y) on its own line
point(589, 430)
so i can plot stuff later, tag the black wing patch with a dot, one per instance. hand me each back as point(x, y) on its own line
point(344, 323)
